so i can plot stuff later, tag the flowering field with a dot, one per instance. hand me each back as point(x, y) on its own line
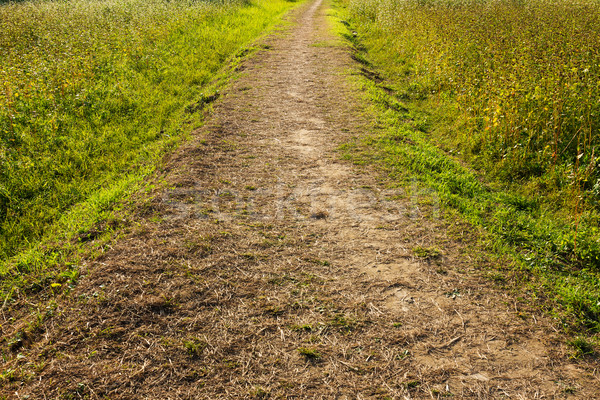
point(94, 91)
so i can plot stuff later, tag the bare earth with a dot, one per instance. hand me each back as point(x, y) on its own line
point(273, 269)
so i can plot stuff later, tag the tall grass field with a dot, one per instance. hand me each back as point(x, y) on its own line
point(496, 104)
point(524, 74)
point(93, 92)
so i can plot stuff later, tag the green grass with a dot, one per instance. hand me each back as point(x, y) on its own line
point(92, 95)
point(581, 347)
point(194, 347)
point(429, 131)
point(522, 75)
point(427, 253)
point(309, 354)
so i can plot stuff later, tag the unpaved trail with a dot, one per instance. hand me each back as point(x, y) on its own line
point(273, 269)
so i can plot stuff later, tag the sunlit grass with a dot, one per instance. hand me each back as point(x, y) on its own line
point(494, 106)
point(92, 92)
point(525, 76)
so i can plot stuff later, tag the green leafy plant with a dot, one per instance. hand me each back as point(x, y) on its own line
point(582, 347)
point(194, 346)
point(310, 354)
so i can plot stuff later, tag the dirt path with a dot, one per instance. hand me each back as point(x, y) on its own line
point(273, 269)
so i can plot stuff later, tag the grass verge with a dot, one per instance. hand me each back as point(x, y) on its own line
point(96, 94)
point(554, 256)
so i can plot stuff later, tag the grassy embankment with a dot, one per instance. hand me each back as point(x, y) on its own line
point(496, 106)
point(92, 95)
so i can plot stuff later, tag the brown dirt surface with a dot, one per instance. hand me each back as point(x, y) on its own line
point(272, 268)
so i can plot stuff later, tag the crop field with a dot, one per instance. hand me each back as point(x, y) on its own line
point(509, 90)
point(524, 74)
point(92, 93)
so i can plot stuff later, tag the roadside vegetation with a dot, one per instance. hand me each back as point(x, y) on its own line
point(92, 95)
point(495, 105)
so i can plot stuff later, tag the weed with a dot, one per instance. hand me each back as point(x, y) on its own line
point(200, 246)
point(230, 364)
point(441, 393)
point(18, 340)
point(569, 390)
point(281, 280)
point(194, 346)
point(403, 355)
point(314, 339)
point(582, 347)
point(343, 323)
point(259, 393)
point(273, 310)
point(302, 328)
point(250, 256)
point(453, 294)
point(524, 94)
point(497, 277)
point(427, 253)
point(411, 384)
point(310, 354)
point(317, 261)
point(8, 375)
